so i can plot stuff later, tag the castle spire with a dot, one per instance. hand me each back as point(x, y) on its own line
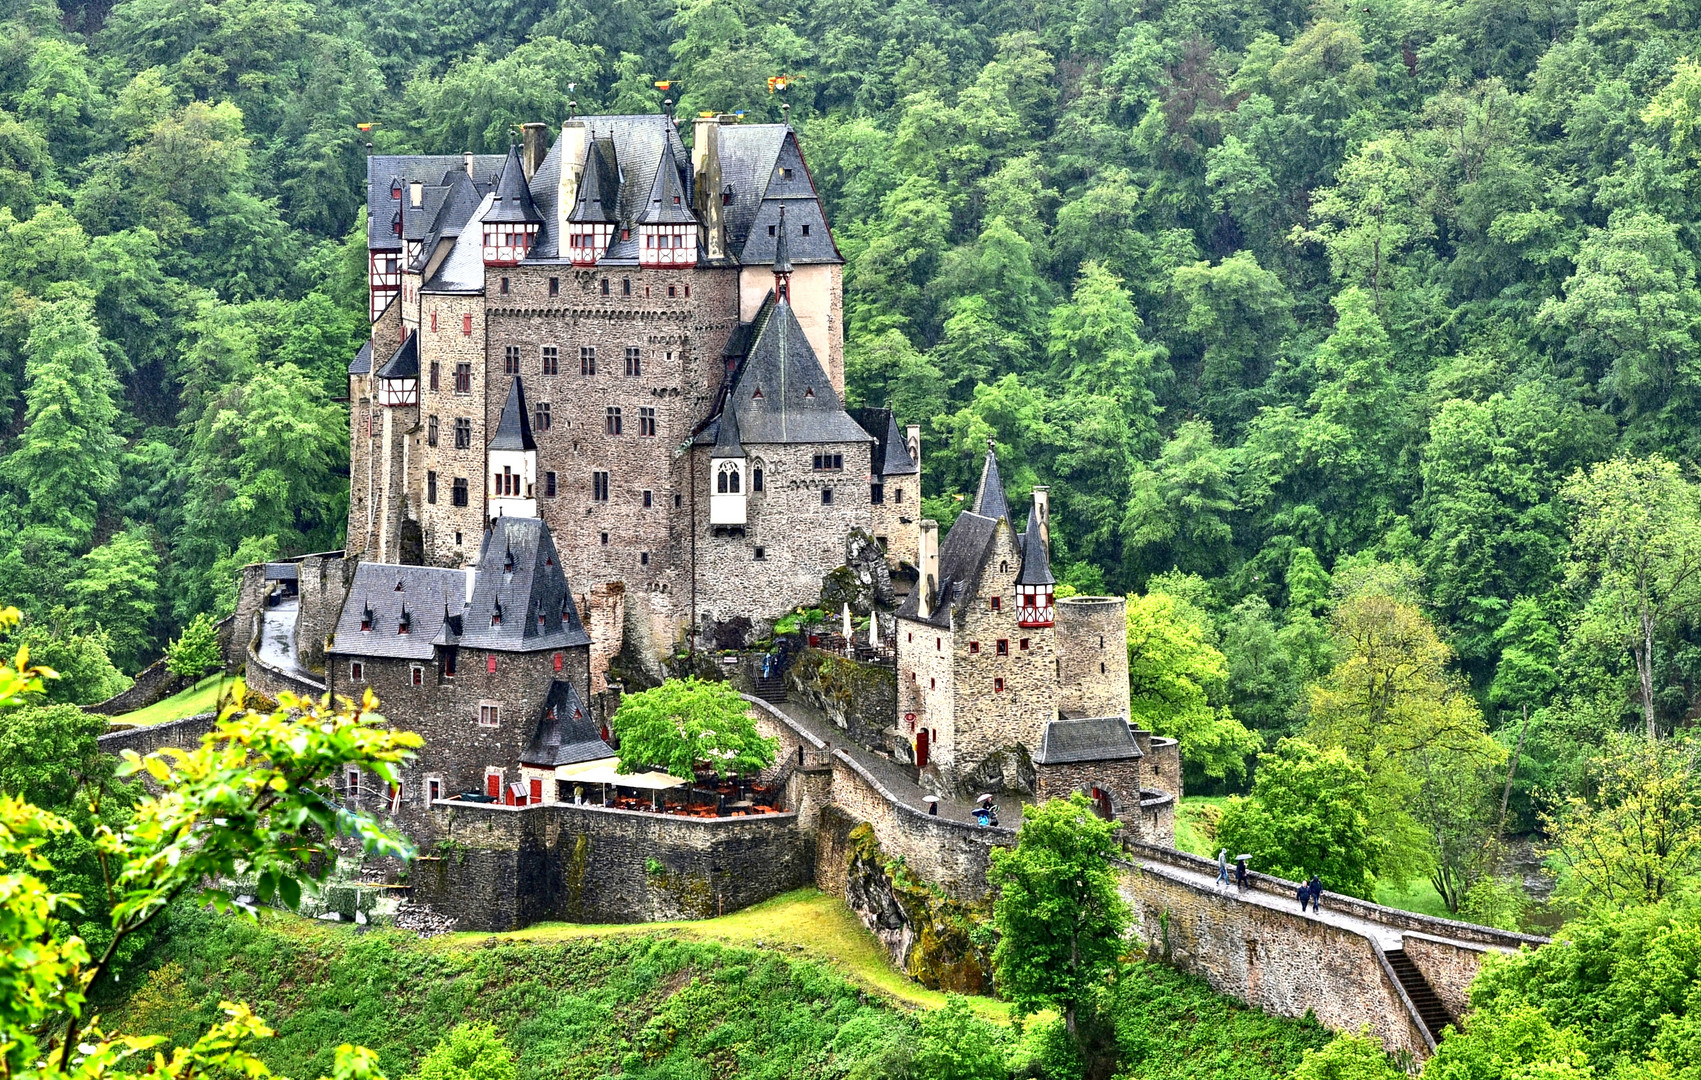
point(990, 500)
point(782, 261)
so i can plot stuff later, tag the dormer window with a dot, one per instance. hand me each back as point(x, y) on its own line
point(726, 196)
point(366, 619)
point(395, 187)
point(508, 562)
point(404, 625)
point(496, 614)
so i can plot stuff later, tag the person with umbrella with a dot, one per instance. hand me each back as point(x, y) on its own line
point(985, 810)
point(932, 802)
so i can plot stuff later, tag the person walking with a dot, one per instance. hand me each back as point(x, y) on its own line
point(1240, 874)
point(1304, 894)
point(1222, 867)
point(1315, 886)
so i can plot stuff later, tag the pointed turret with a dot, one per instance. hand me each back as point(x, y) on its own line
point(512, 222)
point(513, 459)
point(591, 224)
point(782, 262)
point(667, 230)
point(990, 500)
point(727, 486)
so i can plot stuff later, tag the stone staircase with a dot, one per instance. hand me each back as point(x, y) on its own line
point(1417, 988)
point(772, 689)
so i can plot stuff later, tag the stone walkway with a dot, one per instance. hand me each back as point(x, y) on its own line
point(1388, 937)
point(893, 776)
point(277, 640)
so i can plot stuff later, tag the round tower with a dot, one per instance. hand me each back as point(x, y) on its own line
point(1092, 656)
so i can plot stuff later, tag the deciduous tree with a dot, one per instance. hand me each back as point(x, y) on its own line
point(686, 723)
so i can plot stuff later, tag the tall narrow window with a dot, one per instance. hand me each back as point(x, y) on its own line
point(551, 360)
point(463, 434)
point(646, 420)
point(431, 431)
point(463, 378)
point(634, 361)
point(587, 360)
point(605, 286)
point(649, 498)
point(549, 485)
point(458, 495)
point(613, 419)
point(625, 286)
point(436, 375)
point(599, 486)
point(555, 286)
point(431, 487)
point(511, 360)
point(504, 287)
point(544, 420)
point(466, 325)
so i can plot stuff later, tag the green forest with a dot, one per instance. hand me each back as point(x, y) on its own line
point(1358, 343)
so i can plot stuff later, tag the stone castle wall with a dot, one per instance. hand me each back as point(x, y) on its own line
point(324, 582)
point(1092, 656)
point(927, 697)
point(451, 534)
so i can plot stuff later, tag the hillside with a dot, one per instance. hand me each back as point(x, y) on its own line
point(632, 1001)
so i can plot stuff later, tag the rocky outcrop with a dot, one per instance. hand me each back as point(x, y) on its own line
point(1008, 770)
point(864, 581)
point(941, 943)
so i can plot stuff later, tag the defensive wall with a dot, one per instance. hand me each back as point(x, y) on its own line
point(183, 733)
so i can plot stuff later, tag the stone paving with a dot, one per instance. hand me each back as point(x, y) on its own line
point(1388, 937)
point(277, 640)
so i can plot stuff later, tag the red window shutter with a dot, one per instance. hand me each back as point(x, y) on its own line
point(493, 784)
point(557, 661)
point(537, 790)
point(466, 324)
point(490, 664)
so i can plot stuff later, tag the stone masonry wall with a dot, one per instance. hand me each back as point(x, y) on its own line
point(1120, 780)
point(861, 699)
point(1092, 655)
point(1448, 967)
point(1285, 965)
point(324, 582)
point(927, 697)
point(451, 533)
point(593, 864)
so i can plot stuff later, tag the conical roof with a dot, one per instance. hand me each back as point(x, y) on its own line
point(782, 246)
point(1036, 560)
point(726, 439)
point(404, 362)
point(565, 734)
point(594, 205)
point(990, 500)
point(514, 429)
point(898, 461)
point(513, 200)
point(668, 203)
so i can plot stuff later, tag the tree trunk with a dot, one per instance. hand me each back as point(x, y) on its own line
point(1645, 672)
point(1511, 770)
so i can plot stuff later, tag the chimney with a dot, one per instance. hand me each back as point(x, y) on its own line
point(467, 159)
point(706, 168)
point(927, 563)
point(416, 193)
point(1042, 509)
point(532, 148)
point(575, 140)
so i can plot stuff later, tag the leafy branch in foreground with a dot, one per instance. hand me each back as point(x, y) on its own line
point(246, 802)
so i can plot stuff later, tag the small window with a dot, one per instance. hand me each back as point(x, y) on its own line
point(604, 539)
point(544, 420)
point(974, 647)
point(756, 478)
point(416, 675)
point(436, 375)
point(1003, 646)
point(646, 421)
point(676, 498)
point(649, 499)
point(463, 378)
point(431, 431)
point(551, 360)
point(504, 287)
point(352, 783)
point(770, 230)
point(625, 286)
point(998, 686)
point(489, 713)
point(466, 325)
point(588, 358)
point(670, 291)
point(897, 495)
point(1023, 644)
point(938, 644)
point(876, 494)
point(806, 230)
point(458, 496)
point(433, 790)
point(605, 286)
point(357, 670)
point(433, 322)
point(643, 558)
point(558, 662)
point(826, 496)
point(829, 462)
point(549, 485)
point(634, 361)
point(431, 486)
point(998, 603)
point(933, 684)
point(490, 661)
point(612, 420)
point(761, 552)
point(463, 434)
point(599, 491)
point(510, 358)
point(555, 286)
point(785, 174)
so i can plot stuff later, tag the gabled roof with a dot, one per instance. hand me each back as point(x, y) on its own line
point(1106, 738)
point(512, 203)
point(780, 392)
point(514, 429)
point(520, 601)
point(891, 449)
point(377, 597)
point(598, 197)
point(404, 362)
point(990, 500)
point(669, 202)
point(754, 160)
point(1036, 560)
point(362, 362)
point(462, 270)
point(382, 169)
point(565, 733)
point(962, 560)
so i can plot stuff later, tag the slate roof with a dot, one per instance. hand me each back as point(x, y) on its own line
point(891, 450)
point(727, 443)
point(404, 362)
point(965, 552)
point(514, 429)
point(780, 392)
point(1036, 560)
point(383, 591)
point(782, 245)
point(283, 571)
point(362, 362)
point(669, 202)
point(597, 200)
point(520, 601)
point(754, 158)
point(565, 733)
point(512, 200)
point(463, 270)
point(381, 169)
point(1106, 738)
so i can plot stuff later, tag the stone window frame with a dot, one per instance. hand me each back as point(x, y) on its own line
point(634, 361)
point(356, 671)
point(431, 486)
point(510, 359)
point(431, 429)
point(550, 359)
point(501, 780)
point(588, 358)
point(459, 494)
point(599, 485)
point(416, 674)
point(351, 783)
point(555, 286)
point(758, 476)
point(549, 484)
point(1003, 647)
point(433, 789)
point(646, 421)
point(463, 433)
point(463, 377)
point(489, 714)
point(545, 419)
point(826, 496)
point(612, 421)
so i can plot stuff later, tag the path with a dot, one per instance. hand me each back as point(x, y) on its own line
point(277, 639)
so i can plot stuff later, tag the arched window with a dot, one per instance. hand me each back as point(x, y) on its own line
point(727, 481)
point(757, 474)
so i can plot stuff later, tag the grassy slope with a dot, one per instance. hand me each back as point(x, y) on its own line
point(646, 1002)
point(200, 698)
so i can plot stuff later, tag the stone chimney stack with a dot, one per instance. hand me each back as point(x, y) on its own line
point(575, 140)
point(912, 436)
point(532, 148)
point(927, 563)
point(1042, 509)
point(706, 168)
point(467, 160)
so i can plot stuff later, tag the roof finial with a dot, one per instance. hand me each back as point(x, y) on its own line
point(782, 260)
